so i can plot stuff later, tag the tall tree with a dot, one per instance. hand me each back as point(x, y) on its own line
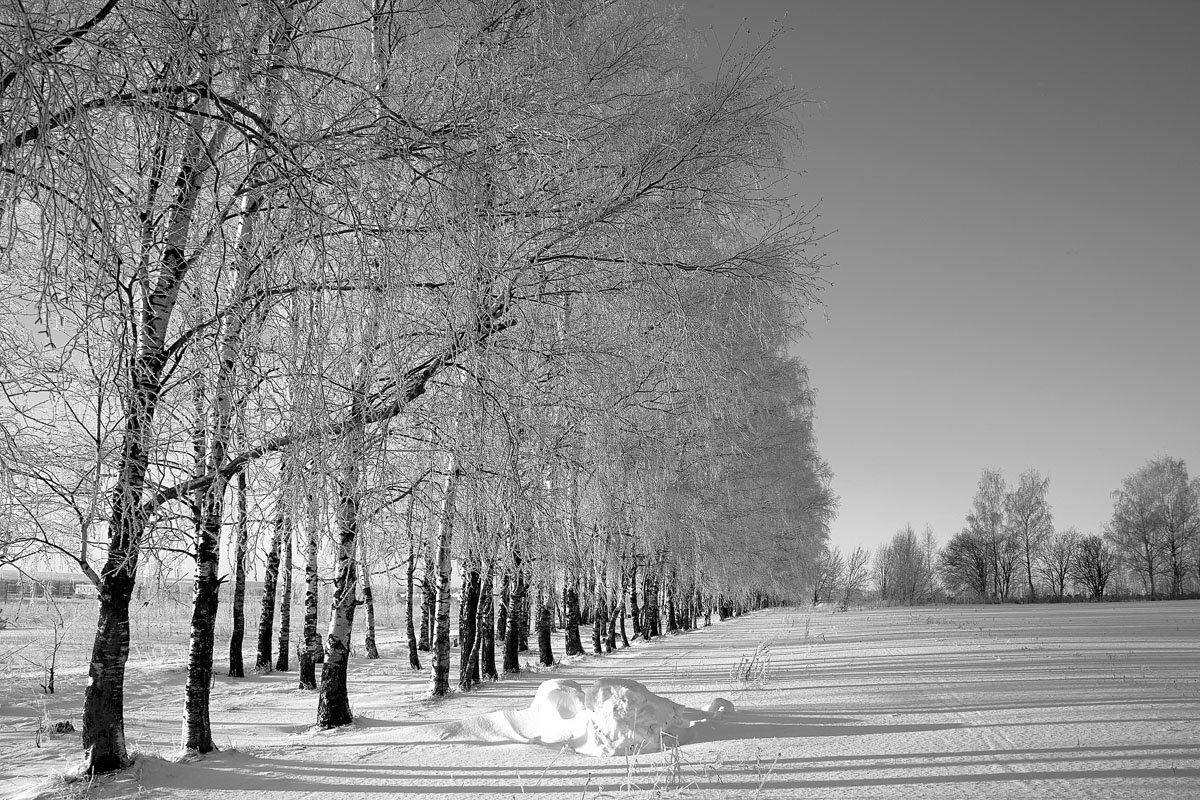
point(1029, 522)
point(854, 576)
point(1057, 562)
point(1180, 514)
point(285, 600)
point(266, 618)
point(904, 570)
point(986, 521)
point(1138, 529)
point(830, 572)
point(241, 543)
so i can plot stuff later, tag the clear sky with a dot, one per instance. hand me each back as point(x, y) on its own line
point(1015, 190)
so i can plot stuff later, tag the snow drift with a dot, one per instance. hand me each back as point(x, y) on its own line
point(612, 717)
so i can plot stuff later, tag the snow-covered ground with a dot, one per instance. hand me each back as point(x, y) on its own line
point(1068, 701)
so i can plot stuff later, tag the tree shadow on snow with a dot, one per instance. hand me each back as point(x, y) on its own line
point(769, 725)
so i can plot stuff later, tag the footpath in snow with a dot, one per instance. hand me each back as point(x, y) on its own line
point(1070, 701)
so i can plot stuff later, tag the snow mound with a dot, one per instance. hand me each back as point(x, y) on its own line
point(612, 717)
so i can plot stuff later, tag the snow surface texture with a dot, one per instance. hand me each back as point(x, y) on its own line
point(1040, 702)
point(612, 717)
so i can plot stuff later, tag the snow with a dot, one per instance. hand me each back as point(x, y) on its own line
point(1072, 701)
point(612, 717)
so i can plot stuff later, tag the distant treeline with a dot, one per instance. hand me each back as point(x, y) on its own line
point(1010, 551)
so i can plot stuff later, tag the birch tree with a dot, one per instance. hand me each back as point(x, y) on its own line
point(986, 522)
point(1029, 521)
point(1180, 511)
point(1137, 529)
point(906, 568)
point(854, 576)
point(1057, 562)
point(831, 571)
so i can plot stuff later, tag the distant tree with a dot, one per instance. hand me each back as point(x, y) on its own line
point(986, 520)
point(1138, 526)
point(854, 576)
point(1094, 564)
point(903, 569)
point(830, 572)
point(1179, 512)
point(12, 548)
point(881, 571)
point(1057, 560)
point(929, 552)
point(965, 564)
point(1028, 521)
point(1196, 542)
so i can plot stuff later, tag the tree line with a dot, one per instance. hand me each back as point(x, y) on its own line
point(397, 289)
point(1009, 549)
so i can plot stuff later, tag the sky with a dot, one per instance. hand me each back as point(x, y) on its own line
point(1013, 193)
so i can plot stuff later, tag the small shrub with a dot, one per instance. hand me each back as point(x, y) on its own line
point(50, 729)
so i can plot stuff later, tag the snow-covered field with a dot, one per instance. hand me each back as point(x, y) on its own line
point(1068, 701)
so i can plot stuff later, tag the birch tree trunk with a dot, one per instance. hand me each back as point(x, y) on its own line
point(311, 650)
point(238, 632)
point(266, 616)
point(574, 644)
point(414, 660)
point(672, 620)
point(635, 613)
point(428, 599)
point(333, 703)
point(235, 331)
point(372, 650)
point(468, 613)
point(512, 639)
point(439, 678)
point(524, 618)
point(545, 621)
point(197, 727)
point(485, 631)
point(483, 627)
point(613, 610)
point(285, 599)
point(624, 635)
point(103, 725)
point(650, 627)
point(502, 608)
point(599, 615)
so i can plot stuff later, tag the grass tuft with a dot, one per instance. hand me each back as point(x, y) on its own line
point(753, 668)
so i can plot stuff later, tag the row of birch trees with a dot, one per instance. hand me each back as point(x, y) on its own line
point(495, 286)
